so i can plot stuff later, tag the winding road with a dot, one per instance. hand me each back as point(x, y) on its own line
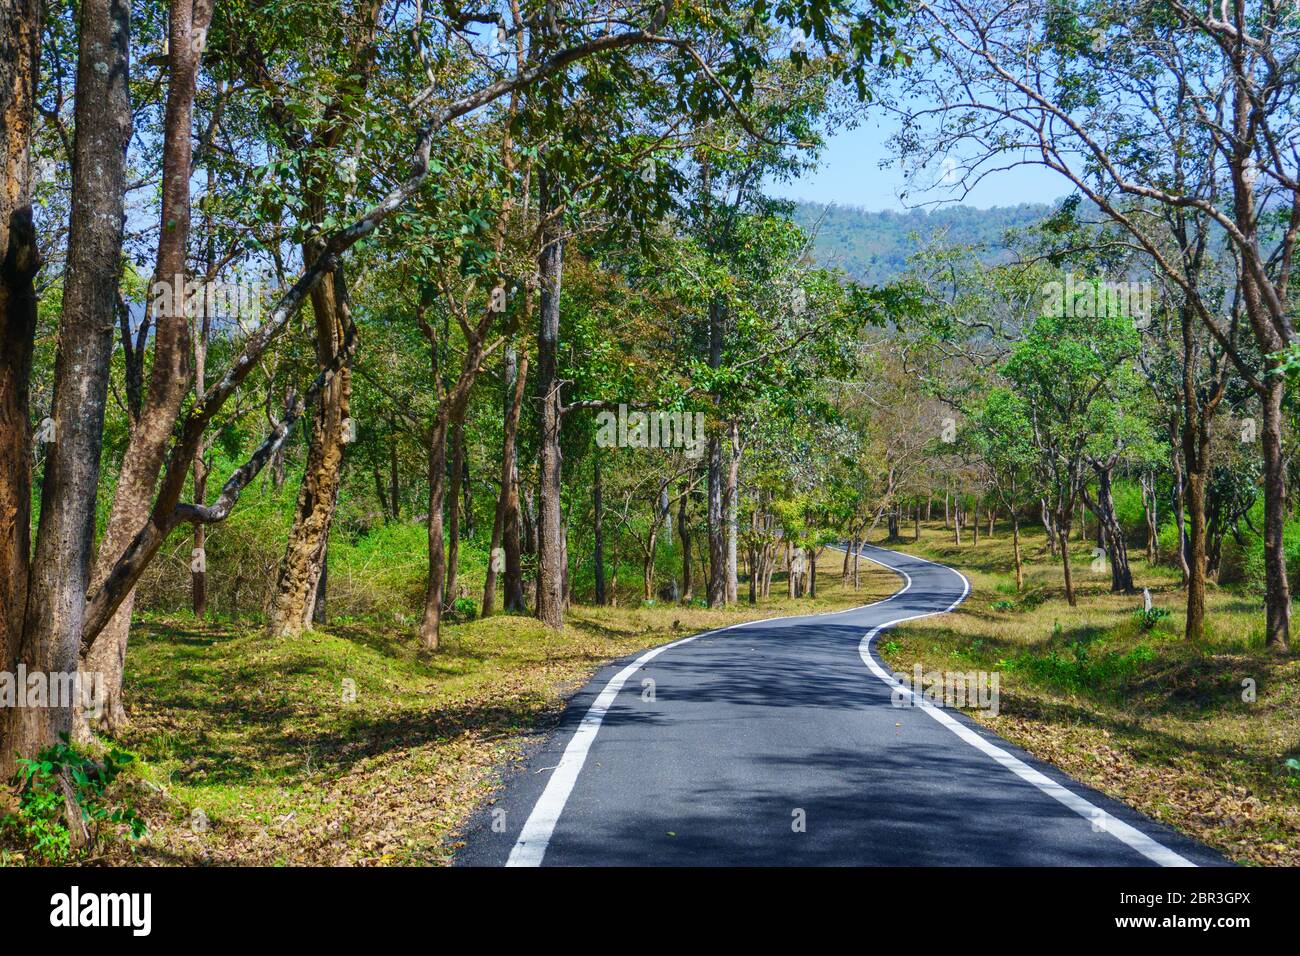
point(778, 742)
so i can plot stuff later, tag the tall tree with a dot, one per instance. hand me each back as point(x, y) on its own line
point(60, 570)
point(170, 371)
point(20, 261)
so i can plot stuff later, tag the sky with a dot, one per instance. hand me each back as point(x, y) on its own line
point(850, 175)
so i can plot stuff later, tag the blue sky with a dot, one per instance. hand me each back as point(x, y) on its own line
point(850, 175)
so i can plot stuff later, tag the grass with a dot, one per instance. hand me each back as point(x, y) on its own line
point(252, 755)
point(1138, 713)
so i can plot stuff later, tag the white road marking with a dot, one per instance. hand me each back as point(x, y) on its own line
point(1133, 837)
point(540, 825)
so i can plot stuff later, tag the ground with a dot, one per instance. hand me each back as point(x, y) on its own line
point(251, 754)
point(1167, 727)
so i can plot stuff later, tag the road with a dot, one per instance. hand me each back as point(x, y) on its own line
point(779, 743)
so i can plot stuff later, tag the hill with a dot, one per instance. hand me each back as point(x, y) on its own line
point(873, 247)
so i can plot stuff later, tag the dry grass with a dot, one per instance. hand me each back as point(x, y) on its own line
point(1142, 716)
point(255, 734)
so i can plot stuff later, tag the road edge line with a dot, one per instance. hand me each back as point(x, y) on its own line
point(535, 837)
point(1126, 833)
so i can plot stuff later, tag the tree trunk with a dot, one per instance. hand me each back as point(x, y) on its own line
point(1049, 526)
point(717, 593)
point(201, 468)
point(381, 493)
point(300, 567)
point(684, 535)
point(431, 623)
point(453, 513)
point(732, 507)
point(527, 518)
point(450, 414)
point(198, 552)
point(516, 374)
point(1180, 492)
point(753, 576)
point(1121, 575)
point(598, 522)
point(466, 497)
point(1015, 550)
point(975, 523)
point(1064, 536)
point(20, 28)
point(60, 570)
point(319, 610)
point(550, 547)
point(1196, 460)
point(564, 561)
point(169, 377)
point(1150, 514)
point(648, 562)
point(394, 485)
point(1278, 599)
point(512, 598)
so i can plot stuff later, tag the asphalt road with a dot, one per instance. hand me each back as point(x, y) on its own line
point(779, 743)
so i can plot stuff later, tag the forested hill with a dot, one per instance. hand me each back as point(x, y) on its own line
point(873, 246)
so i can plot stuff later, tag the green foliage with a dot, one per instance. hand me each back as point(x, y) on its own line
point(40, 823)
point(1026, 602)
point(462, 609)
point(1148, 619)
point(1078, 668)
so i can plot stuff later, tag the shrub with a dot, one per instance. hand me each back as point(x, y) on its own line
point(40, 823)
point(462, 609)
point(1149, 618)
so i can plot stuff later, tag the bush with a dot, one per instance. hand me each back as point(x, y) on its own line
point(40, 825)
point(1147, 619)
point(462, 609)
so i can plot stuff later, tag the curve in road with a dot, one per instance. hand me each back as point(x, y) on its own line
point(768, 743)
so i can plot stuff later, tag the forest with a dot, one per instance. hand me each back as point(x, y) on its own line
point(373, 371)
point(874, 247)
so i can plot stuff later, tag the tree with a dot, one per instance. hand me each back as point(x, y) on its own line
point(1073, 374)
point(1089, 90)
point(60, 565)
point(171, 306)
point(1000, 433)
